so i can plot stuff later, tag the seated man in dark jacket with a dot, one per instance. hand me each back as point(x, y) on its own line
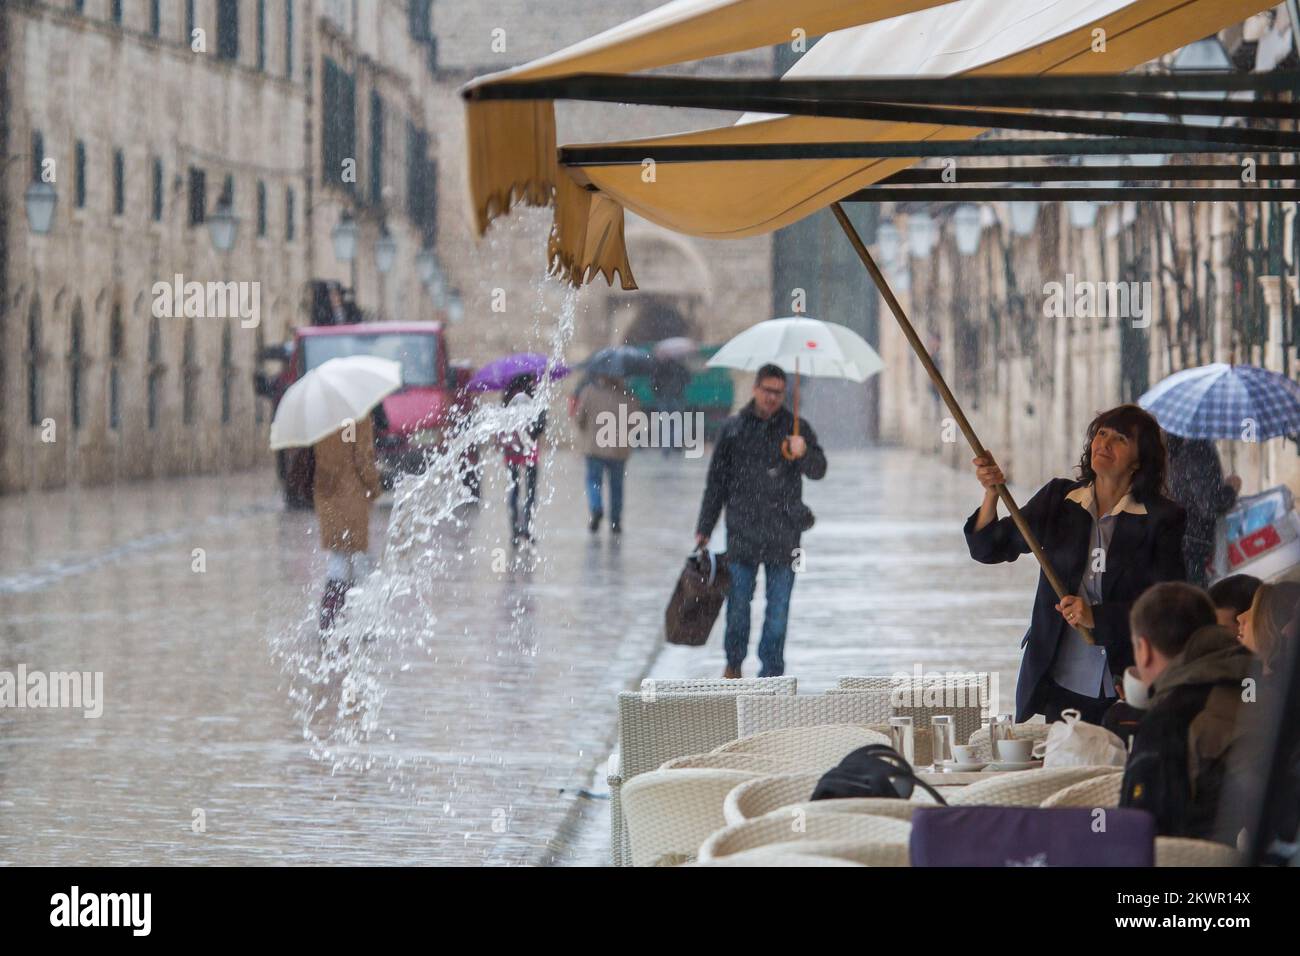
point(1182, 745)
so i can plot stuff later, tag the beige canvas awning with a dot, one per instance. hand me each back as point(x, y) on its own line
point(512, 155)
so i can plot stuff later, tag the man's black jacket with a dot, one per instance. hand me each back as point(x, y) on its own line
point(762, 492)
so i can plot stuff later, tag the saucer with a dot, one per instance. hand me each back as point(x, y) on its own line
point(951, 766)
point(1016, 765)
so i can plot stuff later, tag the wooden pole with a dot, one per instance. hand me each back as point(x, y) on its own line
point(948, 399)
point(786, 453)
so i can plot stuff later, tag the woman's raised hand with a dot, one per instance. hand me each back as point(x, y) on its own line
point(988, 472)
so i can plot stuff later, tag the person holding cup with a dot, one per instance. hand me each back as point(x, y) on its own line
point(1110, 534)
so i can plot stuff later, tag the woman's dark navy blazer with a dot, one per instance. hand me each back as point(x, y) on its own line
point(1144, 549)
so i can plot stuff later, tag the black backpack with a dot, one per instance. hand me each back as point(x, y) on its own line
point(875, 770)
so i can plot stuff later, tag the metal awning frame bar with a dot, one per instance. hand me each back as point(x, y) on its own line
point(960, 194)
point(1192, 172)
point(1051, 90)
point(886, 149)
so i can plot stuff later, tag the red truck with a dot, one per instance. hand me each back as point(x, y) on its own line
point(410, 424)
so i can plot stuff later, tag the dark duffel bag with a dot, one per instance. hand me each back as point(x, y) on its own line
point(701, 589)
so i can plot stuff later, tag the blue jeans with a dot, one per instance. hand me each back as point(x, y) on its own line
point(596, 468)
point(779, 582)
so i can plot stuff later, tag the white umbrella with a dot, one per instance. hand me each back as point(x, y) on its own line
point(677, 347)
point(803, 346)
point(331, 395)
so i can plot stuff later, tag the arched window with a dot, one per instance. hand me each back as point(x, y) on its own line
point(189, 376)
point(227, 372)
point(156, 369)
point(33, 358)
point(76, 363)
point(116, 352)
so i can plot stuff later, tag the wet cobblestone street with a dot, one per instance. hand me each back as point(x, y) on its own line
point(497, 729)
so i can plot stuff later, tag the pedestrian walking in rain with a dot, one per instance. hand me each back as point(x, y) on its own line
point(668, 382)
point(521, 459)
point(762, 491)
point(604, 407)
point(1196, 482)
point(345, 484)
point(1110, 535)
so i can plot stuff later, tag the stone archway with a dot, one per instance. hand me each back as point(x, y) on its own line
point(675, 287)
point(657, 318)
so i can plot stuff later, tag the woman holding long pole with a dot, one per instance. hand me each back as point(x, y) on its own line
point(1110, 534)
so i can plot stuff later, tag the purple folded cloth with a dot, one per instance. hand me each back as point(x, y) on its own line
point(1032, 836)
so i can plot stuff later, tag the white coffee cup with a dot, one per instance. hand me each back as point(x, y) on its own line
point(965, 754)
point(1136, 693)
point(1015, 751)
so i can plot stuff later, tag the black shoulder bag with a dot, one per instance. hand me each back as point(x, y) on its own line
point(875, 770)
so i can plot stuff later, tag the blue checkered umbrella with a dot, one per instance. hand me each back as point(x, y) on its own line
point(1240, 402)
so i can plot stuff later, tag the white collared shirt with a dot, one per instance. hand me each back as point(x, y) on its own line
point(1079, 666)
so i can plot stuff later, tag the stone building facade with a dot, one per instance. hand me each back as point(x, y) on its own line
point(152, 127)
point(147, 117)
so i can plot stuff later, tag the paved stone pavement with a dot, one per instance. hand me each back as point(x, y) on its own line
point(497, 726)
point(887, 586)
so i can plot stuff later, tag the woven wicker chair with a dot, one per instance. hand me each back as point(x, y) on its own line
point(890, 807)
point(753, 799)
point(1024, 788)
point(754, 715)
point(781, 855)
point(750, 763)
point(1102, 791)
point(669, 813)
point(980, 739)
point(806, 748)
point(848, 835)
point(785, 686)
point(892, 682)
point(968, 707)
point(1181, 851)
point(654, 728)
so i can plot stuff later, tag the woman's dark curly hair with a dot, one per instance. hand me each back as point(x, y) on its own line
point(1135, 422)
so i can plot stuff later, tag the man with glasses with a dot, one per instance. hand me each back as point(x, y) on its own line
point(760, 483)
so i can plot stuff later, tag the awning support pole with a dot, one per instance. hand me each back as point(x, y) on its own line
point(950, 400)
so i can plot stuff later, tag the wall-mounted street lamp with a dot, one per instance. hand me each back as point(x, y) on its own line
point(1203, 56)
point(922, 233)
point(1024, 217)
point(425, 264)
point(455, 308)
point(431, 275)
point(344, 238)
point(1147, 159)
point(223, 226)
point(385, 251)
point(966, 227)
point(1082, 214)
point(888, 241)
point(41, 199)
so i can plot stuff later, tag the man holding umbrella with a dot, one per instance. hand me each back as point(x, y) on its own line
point(756, 473)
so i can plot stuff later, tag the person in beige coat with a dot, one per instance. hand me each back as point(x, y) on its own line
point(345, 484)
point(605, 445)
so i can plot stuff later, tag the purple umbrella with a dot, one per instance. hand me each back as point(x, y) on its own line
point(499, 373)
